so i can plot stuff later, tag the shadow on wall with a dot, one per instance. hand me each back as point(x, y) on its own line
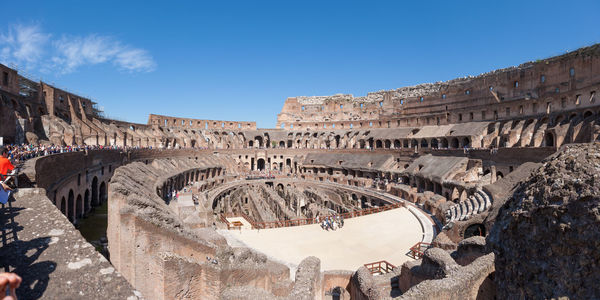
point(19, 256)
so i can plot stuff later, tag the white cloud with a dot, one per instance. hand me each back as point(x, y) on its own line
point(28, 45)
point(23, 44)
point(72, 52)
point(135, 60)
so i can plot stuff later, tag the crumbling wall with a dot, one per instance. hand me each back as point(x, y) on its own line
point(546, 235)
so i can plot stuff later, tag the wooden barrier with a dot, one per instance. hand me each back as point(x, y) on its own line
point(380, 267)
point(418, 250)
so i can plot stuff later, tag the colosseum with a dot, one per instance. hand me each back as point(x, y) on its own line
point(483, 187)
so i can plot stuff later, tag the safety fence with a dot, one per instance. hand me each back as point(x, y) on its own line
point(379, 267)
point(418, 250)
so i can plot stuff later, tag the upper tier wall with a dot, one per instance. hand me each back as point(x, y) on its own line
point(176, 122)
point(560, 83)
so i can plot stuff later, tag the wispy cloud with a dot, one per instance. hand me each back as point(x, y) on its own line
point(30, 46)
point(23, 44)
point(73, 52)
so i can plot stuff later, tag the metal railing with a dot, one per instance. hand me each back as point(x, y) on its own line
point(380, 267)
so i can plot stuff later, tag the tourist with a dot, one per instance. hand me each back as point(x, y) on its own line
point(9, 282)
point(5, 166)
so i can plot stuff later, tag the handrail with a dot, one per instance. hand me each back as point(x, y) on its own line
point(380, 267)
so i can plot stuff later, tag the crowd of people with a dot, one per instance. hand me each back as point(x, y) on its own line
point(332, 222)
point(20, 153)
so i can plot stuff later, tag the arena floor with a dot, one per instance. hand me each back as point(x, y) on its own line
point(386, 235)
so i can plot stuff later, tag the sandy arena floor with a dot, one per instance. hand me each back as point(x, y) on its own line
point(382, 236)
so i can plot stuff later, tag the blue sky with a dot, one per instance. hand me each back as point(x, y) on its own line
point(239, 60)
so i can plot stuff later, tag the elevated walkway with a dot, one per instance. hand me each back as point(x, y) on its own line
point(51, 256)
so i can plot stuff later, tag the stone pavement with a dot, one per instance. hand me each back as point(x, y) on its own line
point(54, 260)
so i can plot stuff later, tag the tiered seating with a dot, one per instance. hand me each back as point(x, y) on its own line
point(475, 204)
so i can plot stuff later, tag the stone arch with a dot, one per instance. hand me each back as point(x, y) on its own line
point(444, 142)
point(397, 144)
point(549, 139)
point(558, 119)
point(414, 143)
point(434, 143)
point(95, 201)
point(63, 206)
point(378, 144)
point(102, 193)
point(499, 175)
point(454, 143)
point(587, 114)
point(388, 144)
point(71, 206)
point(260, 164)
point(466, 142)
point(79, 207)
point(86, 201)
point(424, 143)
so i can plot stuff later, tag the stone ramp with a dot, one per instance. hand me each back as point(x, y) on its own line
point(54, 260)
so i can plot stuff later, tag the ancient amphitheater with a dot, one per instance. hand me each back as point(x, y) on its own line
point(482, 187)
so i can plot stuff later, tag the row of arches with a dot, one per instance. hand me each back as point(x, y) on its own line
point(77, 207)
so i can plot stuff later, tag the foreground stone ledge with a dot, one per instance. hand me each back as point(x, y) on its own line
point(54, 260)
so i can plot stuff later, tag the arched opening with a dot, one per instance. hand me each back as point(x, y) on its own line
point(434, 143)
point(466, 142)
point(337, 293)
point(250, 144)
point(79, 207)
point(63, 206)
point(558, 119)
point(363, 202)
point(388, 144)
point(444, 143)
point(499, 175)
point(549, 140)
point(282, 144)
point(397, 144)
point(587, 114)
point(86, 201)
point(424, 143)
point(474, 230)
point(361, 143)
point(95, 201)
point(71, 206)
point(260, 164)
point(259, 141)
point(378, 144)
point(454, 143)
point(102, 193)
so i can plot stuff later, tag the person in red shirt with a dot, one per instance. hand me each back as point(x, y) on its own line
point(5, 167)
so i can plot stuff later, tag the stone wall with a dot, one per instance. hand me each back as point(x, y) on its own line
point(558, 83)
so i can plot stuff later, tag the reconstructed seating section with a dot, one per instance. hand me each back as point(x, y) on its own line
point(475, 204)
